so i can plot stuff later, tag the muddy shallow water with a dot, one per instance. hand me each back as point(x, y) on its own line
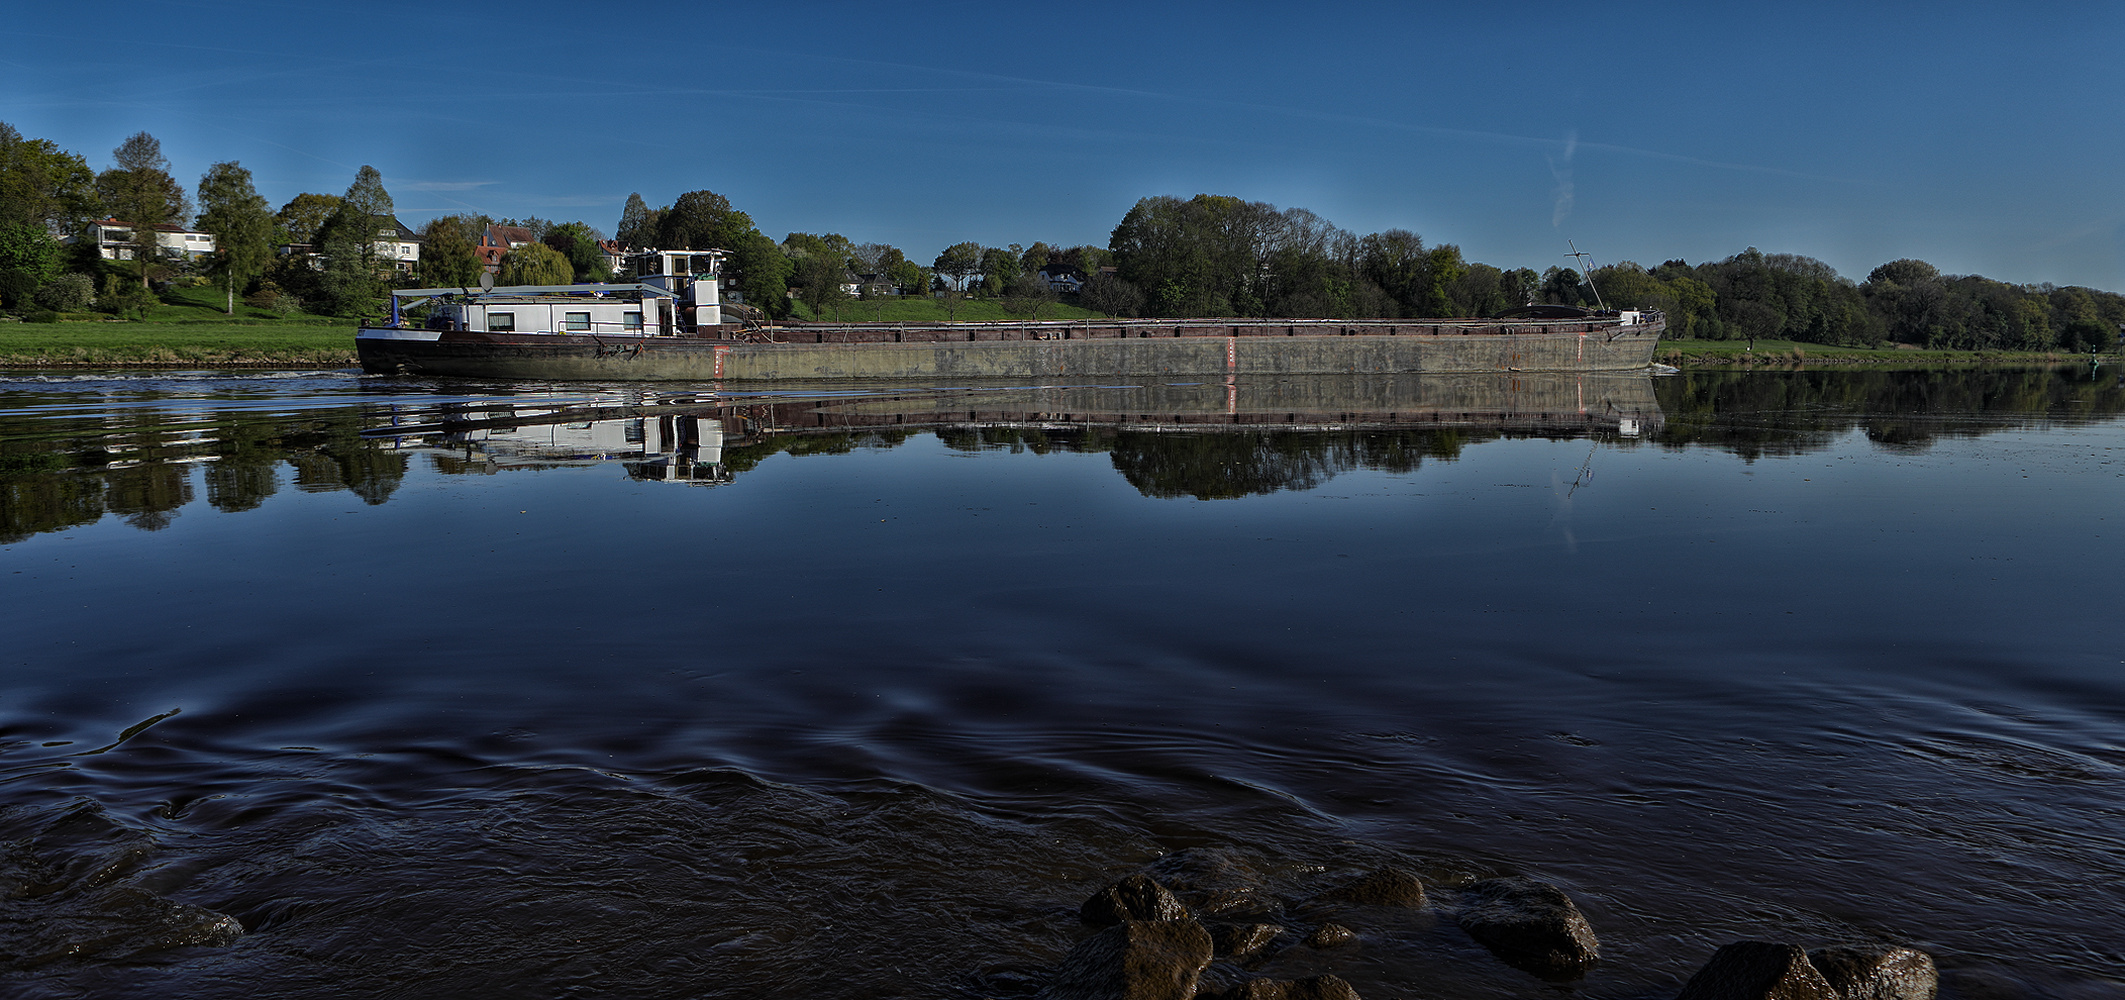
point(546, 691)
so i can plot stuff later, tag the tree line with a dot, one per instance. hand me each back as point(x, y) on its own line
point(1205, 256)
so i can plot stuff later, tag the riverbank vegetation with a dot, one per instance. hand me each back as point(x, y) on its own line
point(323, 261)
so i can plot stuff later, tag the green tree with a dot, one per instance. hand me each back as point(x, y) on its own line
point(579, 243)
point(27, 247)
point(367, 207)
point(694, 221)
point(763, 271)
point(448, 257)
point(1026, 294)
point(536, 264)
point(139, 191)
point(44, 186)
point(819, 276)
point(305, 214)
point(638, 223)
point(959, 261)
point(232, 210)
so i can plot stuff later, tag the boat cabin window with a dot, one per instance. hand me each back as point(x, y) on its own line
point(577, 321)
point(501, 322)
point(631, 321)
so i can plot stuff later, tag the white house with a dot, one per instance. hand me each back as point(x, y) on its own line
point(114, 240)
point(1063, 279)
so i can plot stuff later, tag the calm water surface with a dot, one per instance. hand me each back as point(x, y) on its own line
point(464, 689)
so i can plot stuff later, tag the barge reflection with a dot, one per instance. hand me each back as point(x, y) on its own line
point(62, 467)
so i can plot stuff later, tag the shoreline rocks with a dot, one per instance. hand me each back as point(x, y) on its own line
point(1202, 924)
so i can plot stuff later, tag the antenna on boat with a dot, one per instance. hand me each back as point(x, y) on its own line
point(1586, 271)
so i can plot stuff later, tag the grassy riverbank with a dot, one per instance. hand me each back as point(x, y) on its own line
point(188, 327)
point(1790, 353)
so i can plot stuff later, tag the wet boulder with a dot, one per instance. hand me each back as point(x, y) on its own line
point(1315, 988)
point(109, 924)
point(1331, 935)
point(1135, 960)
point(1383, 887)
point(1241, 942)
point(1759, 970)
point(1137, 897)
point(1215, 883)
point(1877, 972)
point(1530, 925)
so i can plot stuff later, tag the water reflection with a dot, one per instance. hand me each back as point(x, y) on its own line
point(131, 455)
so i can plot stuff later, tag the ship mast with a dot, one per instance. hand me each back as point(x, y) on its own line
point(1586, 272)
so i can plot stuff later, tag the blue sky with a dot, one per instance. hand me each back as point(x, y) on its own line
point(1987, 139)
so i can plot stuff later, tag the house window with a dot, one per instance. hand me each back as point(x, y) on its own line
point(578, 322)
point(631, 321)
point(501, 322)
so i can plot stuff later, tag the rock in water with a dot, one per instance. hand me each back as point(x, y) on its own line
point(1331, 935)
point(1134, 898)
point(1530, 925)
point(1758, 970)
point(1316, 988)
point(106, 925)
point(1241, 942)
point(1134, 960)
point(1383, 887)
point(1877, 972)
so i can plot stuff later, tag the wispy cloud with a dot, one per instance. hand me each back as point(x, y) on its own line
point(1560, 168)
point(444, 185)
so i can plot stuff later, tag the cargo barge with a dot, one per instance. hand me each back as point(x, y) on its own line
point(668, 327)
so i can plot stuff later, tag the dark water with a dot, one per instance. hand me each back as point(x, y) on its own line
point(451, 689)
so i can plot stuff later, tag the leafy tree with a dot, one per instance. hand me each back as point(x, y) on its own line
point(42, 185)
point(763, 271)
point(536, 264)
point(579, 243)
point(1111, 294)
point(367, 207)
point(139, 191)
point(820, 277)
point(694, 221)
point(638, 223)
point(448, 257)
point(907, 274)
point(960, 261)
point(1026, 294)
point(305, 214)
point(998, 267)
point(242, 225)
point(1562, 286)
point(28, 248)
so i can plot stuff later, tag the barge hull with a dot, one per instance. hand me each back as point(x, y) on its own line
point(1145, 350)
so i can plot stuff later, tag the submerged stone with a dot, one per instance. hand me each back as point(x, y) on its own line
point(1877, 972)
point(1315, 988)
point(1135, 960)
point(1758, 970)
point(1241, 942)
point(1137, 897)
point(108, 925)
point(1383, 887)
point(1331, 935)
point(1530, 925)
point(1214, 883)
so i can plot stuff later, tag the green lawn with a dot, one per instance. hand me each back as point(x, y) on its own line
point(1718, 353)
point(188, 327)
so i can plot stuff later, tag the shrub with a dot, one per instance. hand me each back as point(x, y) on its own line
point(124, 297)
point(65, 292)
point(16, 287)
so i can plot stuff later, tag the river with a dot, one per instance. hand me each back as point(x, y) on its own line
point(467, 689)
